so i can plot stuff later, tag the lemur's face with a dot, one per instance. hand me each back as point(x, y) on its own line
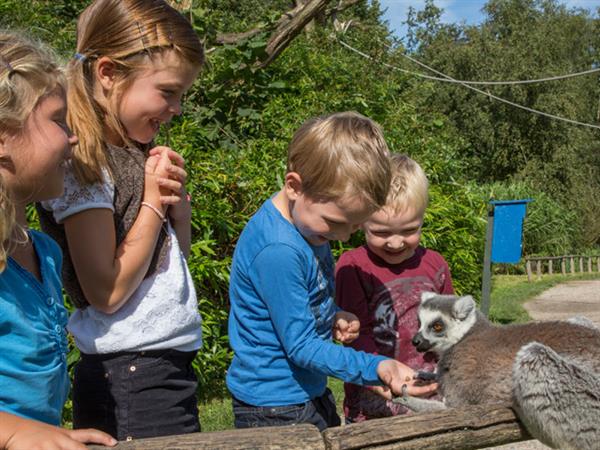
point(443, 321)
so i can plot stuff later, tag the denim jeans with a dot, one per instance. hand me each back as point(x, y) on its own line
point(136, 395)
point(319, 411)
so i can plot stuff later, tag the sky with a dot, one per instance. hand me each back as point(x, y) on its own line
point(455, 11)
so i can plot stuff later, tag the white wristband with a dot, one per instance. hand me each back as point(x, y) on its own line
point(156, 210)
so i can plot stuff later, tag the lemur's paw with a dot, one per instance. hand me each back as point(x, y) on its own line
point(402, 399)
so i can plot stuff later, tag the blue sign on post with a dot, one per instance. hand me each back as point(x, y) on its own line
point(508, 230)
point(503, 241)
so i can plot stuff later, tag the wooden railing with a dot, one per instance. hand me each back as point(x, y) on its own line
point(466, 428)
point(567, 264)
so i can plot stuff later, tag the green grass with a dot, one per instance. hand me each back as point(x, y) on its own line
point(509, 292)
point(216, 415)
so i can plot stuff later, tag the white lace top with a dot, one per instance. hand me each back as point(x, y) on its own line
point(163, 311)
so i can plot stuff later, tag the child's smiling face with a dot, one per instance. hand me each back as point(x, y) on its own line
point(36, 156)
point(394, 237)
point(154, 96)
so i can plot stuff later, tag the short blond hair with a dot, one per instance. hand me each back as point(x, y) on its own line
point(409, 186)
point(341, 154)
point(128, 32)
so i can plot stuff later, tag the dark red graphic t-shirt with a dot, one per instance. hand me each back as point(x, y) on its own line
point(386, 298)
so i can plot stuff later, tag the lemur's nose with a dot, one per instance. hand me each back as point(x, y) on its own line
point(417, 340)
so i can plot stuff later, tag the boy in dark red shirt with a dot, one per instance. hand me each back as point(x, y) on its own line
point(382, 281)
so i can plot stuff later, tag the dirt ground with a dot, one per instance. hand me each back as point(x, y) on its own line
point(575, 298)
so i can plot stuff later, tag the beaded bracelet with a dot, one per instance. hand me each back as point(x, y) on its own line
point(156, 210)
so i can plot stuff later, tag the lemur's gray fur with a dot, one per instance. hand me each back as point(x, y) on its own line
point(548, 371)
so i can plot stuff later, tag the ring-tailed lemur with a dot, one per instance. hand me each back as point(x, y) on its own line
point(548, 371)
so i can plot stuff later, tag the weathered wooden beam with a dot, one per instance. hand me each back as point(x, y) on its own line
point(466, 428)
point(304, 436)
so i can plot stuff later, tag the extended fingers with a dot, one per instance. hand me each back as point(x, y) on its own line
point(170, 199)
point(91, 436)
point(175, 157)
point(171, 184)
point(177, 173)
point(420, 391)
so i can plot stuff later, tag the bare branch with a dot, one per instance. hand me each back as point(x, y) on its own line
point(286, 32)
point(290, 24)
point(287, 28)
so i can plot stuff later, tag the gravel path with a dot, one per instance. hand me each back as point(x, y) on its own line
point(575, 298)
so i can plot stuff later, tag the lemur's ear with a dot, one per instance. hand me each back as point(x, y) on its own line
point(462, 307)
point(427, 295)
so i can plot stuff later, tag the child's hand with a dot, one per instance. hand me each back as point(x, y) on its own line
point(346, 327)
point(394, 375)
point(30, 434)
point(172, 185)
point(156, 169)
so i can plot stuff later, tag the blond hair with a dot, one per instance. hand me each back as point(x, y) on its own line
point(409, 186)
point(28, 72)
point(341, 154)
point(127, 32)
point(7, 223)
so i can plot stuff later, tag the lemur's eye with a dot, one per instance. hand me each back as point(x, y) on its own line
point(438, 327)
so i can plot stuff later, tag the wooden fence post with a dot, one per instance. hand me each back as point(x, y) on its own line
point(538, 269)
point(563, 266)
point(528, 268)
point(581, 264)
point(550, 264)
point(572, 264)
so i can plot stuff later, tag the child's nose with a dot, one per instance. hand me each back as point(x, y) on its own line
point(175, 109)
point(395, 242)
point(344, 235)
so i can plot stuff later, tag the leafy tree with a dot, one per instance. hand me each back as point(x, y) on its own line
point(506, 143)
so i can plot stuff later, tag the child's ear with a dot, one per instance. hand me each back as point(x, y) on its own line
point(105, 72)
point(293, 185)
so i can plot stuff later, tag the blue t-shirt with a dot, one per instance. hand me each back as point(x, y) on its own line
point(282, 309)
point(33, 341)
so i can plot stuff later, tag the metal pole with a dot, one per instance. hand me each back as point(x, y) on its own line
point(486, 283)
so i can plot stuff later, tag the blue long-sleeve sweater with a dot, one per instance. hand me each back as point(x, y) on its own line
point(282, 309)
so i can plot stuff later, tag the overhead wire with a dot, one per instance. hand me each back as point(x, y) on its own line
point(467, 84)
point(491, 83)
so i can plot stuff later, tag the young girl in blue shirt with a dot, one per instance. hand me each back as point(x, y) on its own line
point(35, 143)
